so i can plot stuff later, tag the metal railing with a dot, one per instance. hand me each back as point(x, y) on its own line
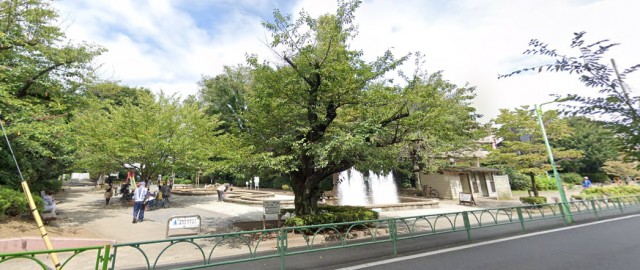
point(244, 246)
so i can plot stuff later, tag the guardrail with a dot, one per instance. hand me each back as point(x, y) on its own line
point(21, 260)
point(230, 248)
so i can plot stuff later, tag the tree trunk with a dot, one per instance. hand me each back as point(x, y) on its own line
point(533, 184)
point(306, 195)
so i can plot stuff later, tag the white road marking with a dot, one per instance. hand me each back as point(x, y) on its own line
point(426, 254)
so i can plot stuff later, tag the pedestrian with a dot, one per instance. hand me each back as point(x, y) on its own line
point(108, 194)
point(49, 203)
point(221, 189)
point(139, 195)
point(586, 183)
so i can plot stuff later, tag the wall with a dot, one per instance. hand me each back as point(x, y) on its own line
point(503, 189)
point(439, 182)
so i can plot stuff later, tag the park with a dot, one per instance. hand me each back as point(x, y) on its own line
point(314, 147)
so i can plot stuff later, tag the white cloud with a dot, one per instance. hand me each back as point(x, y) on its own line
point(158, 45)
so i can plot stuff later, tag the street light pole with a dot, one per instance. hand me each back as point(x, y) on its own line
point(563, 196)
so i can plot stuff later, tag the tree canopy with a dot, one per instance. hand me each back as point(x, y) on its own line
point(523, 147)
point(324, 109)
point(153, 137)
point(40, 74)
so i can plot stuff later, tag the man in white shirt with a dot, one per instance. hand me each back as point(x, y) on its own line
point(221, 189)
point(138, 202)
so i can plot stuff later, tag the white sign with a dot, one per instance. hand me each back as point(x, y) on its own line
point(271, 207)
point(184, 222)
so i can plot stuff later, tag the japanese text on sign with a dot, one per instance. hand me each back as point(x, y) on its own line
point(184, 222)
point(271, 207)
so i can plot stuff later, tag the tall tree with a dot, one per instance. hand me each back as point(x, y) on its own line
point(597, 143)
point(154, 137)
point(614, 99)
point(324, 109)
point(523, 147)
point(40, 73)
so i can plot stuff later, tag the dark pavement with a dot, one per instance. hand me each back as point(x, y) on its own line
point(614, 244)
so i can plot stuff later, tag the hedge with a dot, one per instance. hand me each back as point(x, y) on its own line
point(534, 200)
point(332, 214)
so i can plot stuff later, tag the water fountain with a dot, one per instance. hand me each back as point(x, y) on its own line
point(374, 191)
point(355, 188)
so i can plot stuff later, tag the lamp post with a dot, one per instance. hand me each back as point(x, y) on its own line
point(563, 196)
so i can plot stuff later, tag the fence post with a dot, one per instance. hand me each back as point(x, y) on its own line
point(467, 224)
point(595, 210)
point(105, 257)
point(520, 218)
point(282, 235)
point(393, 232)
point(113, 257)
point(564, 216)
point(620, 205)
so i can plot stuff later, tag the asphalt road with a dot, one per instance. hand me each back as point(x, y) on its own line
point(609, 244)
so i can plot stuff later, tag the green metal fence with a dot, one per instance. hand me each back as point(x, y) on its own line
point(205, 251)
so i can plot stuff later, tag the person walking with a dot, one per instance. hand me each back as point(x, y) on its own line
point(221, 189)
point(108, 194)
point(139, 195)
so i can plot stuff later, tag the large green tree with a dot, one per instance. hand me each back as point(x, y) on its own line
point(523, 147)
point(155, 136)
point(597, 143)
point(324, 109)
point(40, 74)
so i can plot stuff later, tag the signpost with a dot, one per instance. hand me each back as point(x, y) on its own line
point(191, 223)
point(466, 198)
point(270, 208)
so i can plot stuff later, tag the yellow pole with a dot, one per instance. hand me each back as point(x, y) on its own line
point(32, 205)
point(43, 230)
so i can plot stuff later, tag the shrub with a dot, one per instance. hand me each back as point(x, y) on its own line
point(546, 183)
point(333, 214)
point(571, 178)
point(182, 181)
point(518, 181)
point(285, 187)
point(14, 203)
point(534, 200)
point(615, 191)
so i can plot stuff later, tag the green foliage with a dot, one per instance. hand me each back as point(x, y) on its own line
point(40, 76)
point(157, 136)
point(621, 169)
point(613, 191)
point(546, 183)
point(518, 181)
point(571, 178)
point(534, 200)
point(333, 214)
point(596, 141)
point(598, 177)
point(523, 148)
point(280, 181)
point(14, 203)
point(286, 187)
point(182, 181)
point(323, 108)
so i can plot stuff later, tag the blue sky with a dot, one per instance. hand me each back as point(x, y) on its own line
point(169, 45)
